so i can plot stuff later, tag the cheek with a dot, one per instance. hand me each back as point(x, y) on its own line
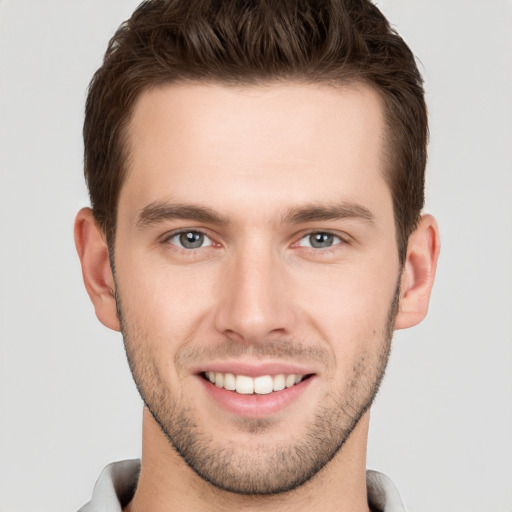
point(350, 307)
point(168, 304)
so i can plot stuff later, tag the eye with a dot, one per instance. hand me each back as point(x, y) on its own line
point(319, 240)
point(190, 240)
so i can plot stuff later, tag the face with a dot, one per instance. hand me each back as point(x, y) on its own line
point(256, 274)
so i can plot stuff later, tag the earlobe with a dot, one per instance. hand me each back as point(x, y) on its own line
point(98, 279)
point(419, 272)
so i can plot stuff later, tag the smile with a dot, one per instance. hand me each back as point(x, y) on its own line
point(260, 385)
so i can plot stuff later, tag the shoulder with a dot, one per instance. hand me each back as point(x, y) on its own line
point(115, 487)
point(382, 494)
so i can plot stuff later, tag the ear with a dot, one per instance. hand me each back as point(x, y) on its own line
point(419, 272)
point(98, 279)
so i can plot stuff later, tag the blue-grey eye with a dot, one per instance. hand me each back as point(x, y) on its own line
point(319, 240)
point(190, 240)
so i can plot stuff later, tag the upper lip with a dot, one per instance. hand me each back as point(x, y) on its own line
point(255, 369)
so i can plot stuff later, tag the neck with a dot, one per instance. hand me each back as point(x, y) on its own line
point(167, 483)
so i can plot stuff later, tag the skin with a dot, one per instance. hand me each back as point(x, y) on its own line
point(264, 162)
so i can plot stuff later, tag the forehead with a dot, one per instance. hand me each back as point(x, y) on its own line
point(281, 141)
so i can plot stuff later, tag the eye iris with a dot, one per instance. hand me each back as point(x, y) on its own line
point(321, 240)
point(191, 239)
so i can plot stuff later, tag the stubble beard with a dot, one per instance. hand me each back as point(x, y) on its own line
point(259, 469)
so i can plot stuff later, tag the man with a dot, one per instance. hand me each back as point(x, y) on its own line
point(256, 173)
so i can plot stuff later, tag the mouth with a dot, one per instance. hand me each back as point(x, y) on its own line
point(258, 389)
point(258, 385)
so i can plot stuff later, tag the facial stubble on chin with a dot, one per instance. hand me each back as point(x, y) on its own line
point(260, 469)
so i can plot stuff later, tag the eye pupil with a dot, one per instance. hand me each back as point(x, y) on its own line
point(320, 240)
point(191, 239)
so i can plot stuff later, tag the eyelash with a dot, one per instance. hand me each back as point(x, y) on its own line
point(317, 250)
point(168, 239)
point(339, 238)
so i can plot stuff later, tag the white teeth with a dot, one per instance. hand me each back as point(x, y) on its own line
point(279, 382)
point(219, 379)
point(261, 385)
point(290, 380)
point(244, 385)
point(229, 382)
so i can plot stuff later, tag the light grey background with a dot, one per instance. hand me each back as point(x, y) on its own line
point(442, 425)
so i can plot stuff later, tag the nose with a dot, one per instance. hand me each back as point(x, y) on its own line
point(254, 302)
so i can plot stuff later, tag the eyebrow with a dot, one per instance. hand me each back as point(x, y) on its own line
point(157, 212)
point(320, 212)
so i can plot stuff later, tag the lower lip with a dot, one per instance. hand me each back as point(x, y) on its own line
point(255, 406)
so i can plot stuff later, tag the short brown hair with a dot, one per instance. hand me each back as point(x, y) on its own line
point(244, 42)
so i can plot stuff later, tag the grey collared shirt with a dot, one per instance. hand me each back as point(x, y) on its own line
point(117, 482)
